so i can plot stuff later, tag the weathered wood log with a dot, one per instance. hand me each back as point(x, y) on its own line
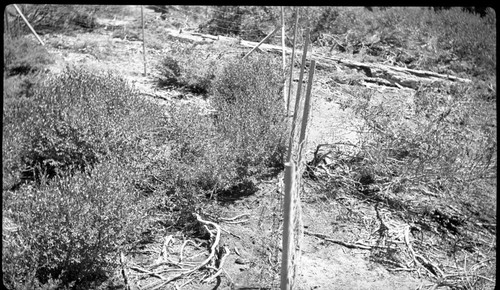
point(395, 76)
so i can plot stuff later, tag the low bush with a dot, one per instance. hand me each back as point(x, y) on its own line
point(226, 20)
point(469, 37)
point(247, 22)
point(417, 36)
point(127, 34)
point(71, 228)
point(245, 138)
point(111, 11)
point(24, 55)
point(170, 71)
point(445, 139)
point(251, 112)
point(199, 156)
point(191, 67)
point(75, 120)
point(51, 18)
point(68, 135)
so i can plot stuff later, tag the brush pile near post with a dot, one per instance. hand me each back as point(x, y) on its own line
point(180, 260)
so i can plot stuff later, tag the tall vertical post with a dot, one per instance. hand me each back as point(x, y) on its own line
point(286, 263)
point(283, 47)
point(297, 100)
point(143, 40)
point(307, 110)
point(291, 207)
point(290, 84)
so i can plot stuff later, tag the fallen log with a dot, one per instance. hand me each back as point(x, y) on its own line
point(396, 76)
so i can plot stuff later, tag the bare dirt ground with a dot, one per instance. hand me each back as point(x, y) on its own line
point(324, 265)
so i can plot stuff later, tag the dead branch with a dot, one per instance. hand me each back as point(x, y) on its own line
point(182, 248)
point(227, 252)
point(382, 74)
point(237, 222)
point(232, 234)
point(339, 242)
point(124, 271)
point(206, 261)
point(165, 262)
point(164, 250)
point(139, 269)
point(408, 244)
point(234, 218)
point(430, 267)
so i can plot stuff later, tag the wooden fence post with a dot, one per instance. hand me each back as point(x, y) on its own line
point(307, 110)
point(283, 46)
point(286, 279)
point(297, 100)
point(290, 83)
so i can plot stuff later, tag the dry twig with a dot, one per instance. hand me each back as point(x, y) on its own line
point(227, 252)
point(182, 248)
point(347, 245)
point(124, 271)
point(206, 261)
point(234, 218)
point(164, 250)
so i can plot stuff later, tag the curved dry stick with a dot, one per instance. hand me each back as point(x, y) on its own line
point(164, 250)
point(237, 222)
point(226, 249)
point(204, 263)
point(182, 248)
point(233, 218)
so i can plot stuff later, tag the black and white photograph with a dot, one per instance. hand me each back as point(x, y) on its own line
point(206, 147)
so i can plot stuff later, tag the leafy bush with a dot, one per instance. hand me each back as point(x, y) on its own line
point(450, 35)
point(247, 22)
point(226, 20)
point(199, 157)
point(250, 111)
point(446, 140)
point(71, 228)
point(75, 120)
point(170, 71)
point(210, 154)
point(110, 11)
point(192, 67)
point(469, 37)
point(127, 34)
point(50, 18)
point(66, 134)
point(24, 55)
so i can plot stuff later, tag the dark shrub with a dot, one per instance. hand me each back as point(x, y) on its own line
point(50, 18)
point(71, 228)
point(76, 119)
point(170, 72)
point(250, 111)
point(24, 55)
point(190, 67)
